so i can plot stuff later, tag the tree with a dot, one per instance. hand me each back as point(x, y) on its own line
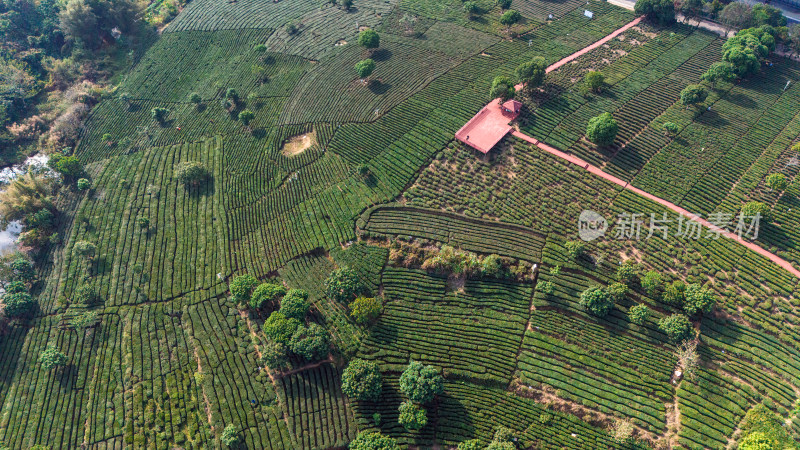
point(675, 293)
point(719, 71)
point(693, 94)
point(597, 301)
point(622, 431)
point(22, 270)
point(372, 440)
point(617, 291)
point(232, 95)
point(659, 11)
point(192, 173)
point(295, 304)
point(365, 309)
point(699, 300)
point(670, 128)
point(346, 4)
point(602, 129)
point(653, 283)
point(364, 68)
point(736, 15)
point(677, 327)
point(412, 416)
point(280, 328)
point(767, 15)
point(52, 358)
point(757, 441)
point(532, 72)
point(777, 182)
point(471, 8)
point(246, 116)
point(503, 434)
point(310, 342)
point(688, 359)
point(18, 304)
point(266, 293)
point(70, 167)
point(504, 4)
point(274, 355)
point(575, 249)
point(692, 9)
point(290, 28)
point(751, 209)
point(88, 21)
point(639, 314)
point(26, 195)
point(242, 288)
point(502, 88)
point(230, 436)
point(362, 380)
point(342, 285)
point(83, 184)
point(369, 39)
point(627, 272)
point(494, 445)
point(421, 383)
point(594, 81)
point(159, 114)
point(472, 444)
point(509, 18)
point(84, 249)
point(195, 98)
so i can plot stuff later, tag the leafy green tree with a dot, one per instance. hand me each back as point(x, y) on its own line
point(653, 284)
point(503, 434)
point(675, 293)
point(364, 68)
point(639, 314)
point(767, 15)
point(532, 72)
point(372, 440)
point(617, 291)
point(362, 380)
point(18, 304)
point(22, 270)
point(295, 304)
point(412, 416)
point(192, 173)
point(84, 249)
point(767, 426)
point(274, 355)
point(280, 328)
point(230, 436)
point(242, 288)
point(15, 287)
point(195, 98)
point(346, 4)
point(232, 95)
point(602, 129)
point(494, 445)
point(594, 81)
point(159, 114)
point(472, 444)
point(471, 8)
point(68, 166)
point(750, 209)
point(421, 383)
point(290, 28)
point(677, 327)
point(699, 300)
point(365, 309)
point(310, 342)
point(502, 87)
point(25, 195)
point(627, 272)
point(492, 266)
point(757, 441)
point(266, 293)
point(246, 116)
point(777, 182)
point(83, 184)
point(503, 4)
point(143, 222)
point(52, 358)
point(693, 94)
point(659, 11)
point(575, 249)
point(369, 39)
point(546, 287)
point(719, 71)
point(670, 128)
point(509, 18)
point(597, 301)
point(343, 284)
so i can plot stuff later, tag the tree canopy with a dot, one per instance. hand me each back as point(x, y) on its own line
point(372, 440)
point(365, 67)
point(192, 173)
point(639, 314)
point(777, 182)
point(659, 11)
point(242, 288)
point(532, 72)
point(362, 380)
point(280, 328)
point(421, 383)
point(597, 301)
point(365, 309)
point(343, 284)
point(677, 327)
point(509, 18)
point(266, 293)
point(719, 71)
point(310, 342)
point(594, 81)
point(750, 209)
point(369, 39)
point(698, 299)
point(295, 304)
point(412, 416)
point(602, 129)
point(52, 358)
point(502, 87)
point(693, 94)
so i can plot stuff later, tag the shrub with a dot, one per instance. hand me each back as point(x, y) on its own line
point(639, 314)
point(509, 18)
point(602, 129)
point(266, 293)
point(22, 270)
point(159, 114)
point(766, 425)
point(412, 417)
point(546, 287)
point(280, 328)
point(191, 173)
point(501, 446)
point(68, 166)
point(246, 116)
point(627, 272)
point(362, 380)
point(83, 184)
point(84, 249)
point(575, 249)
point(274, 355)
point(719, 71)
point(617, 291)
point(230, 436)
point(503, 4)
point(472, 444)
point(421, 383)
point(653, 284)
point(372, 440)
point(471, 8)
point(698, 299)
point(242, 288)
point(52, 358)
point(670, 128)
point(750, 209)
point(342, 285)
point(295, 304)
point(365, 309)
point(594, 81)
point(232, 95)
point(677, 327)
point(492, 266)
point(777, 182)
point(596, 301)
point(675, 293)
point(194, 97)
point(310, 342)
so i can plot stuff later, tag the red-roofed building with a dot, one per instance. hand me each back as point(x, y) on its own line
point(490, 125)
point(512, 107)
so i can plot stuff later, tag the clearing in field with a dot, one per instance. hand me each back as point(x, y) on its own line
point(298, 144)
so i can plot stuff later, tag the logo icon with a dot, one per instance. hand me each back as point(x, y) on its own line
point(591, 225)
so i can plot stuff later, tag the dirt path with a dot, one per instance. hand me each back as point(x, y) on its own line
point(597, 171)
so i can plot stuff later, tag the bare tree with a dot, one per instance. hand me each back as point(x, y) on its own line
point(688, 359)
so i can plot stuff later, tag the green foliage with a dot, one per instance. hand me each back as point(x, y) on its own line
point(503, 4)
point(670, 128)
point(412, 416)
point(471, 8)
point(310, 342)
point(52, 358)
point(230, 436)
point(494, 445)
point(503, 434)
point(362, 380)
point(68, 166)
point(531, 72)
point(266, 294)
point(192, 173)
point(274, 355)
point(502, 87)
point(750, 209)
point(627, 272)
point(745, 50)
point(597, 301)
point(698, 299)
point(659, 11)
point(83, 320)
point(343, 284)
point(594, 81)
point(617, 291)
point(768, 15)
point(143, 222)
point(602, 129)
point(15, 287)
point(159, 114)
point(242, 287)
point(653, 284)
point(365, 309)
point(510, 17)
point(365, 67)
point(757, 441)
point(639, 314)
point(246, 116)
point(675, 293)
point(768, 429)
point(575, 249)
point(232, 94)
point(449, 260)
point(22, 270)
point(777, 182)
point(194, 97)
point(84, 249)
point(677, 327)
point(369, 39)
point(83, 184)
point(295, 304)
point(372, 440)
point(280, 328)
point(89, 21)
point(693, 94)
point(472, 444)
point(421, 383)
point(546, 287)
point(719, 71)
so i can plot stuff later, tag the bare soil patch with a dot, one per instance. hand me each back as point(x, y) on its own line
point(298, 144)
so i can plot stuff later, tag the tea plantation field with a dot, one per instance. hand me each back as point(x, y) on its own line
point(207, 314)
